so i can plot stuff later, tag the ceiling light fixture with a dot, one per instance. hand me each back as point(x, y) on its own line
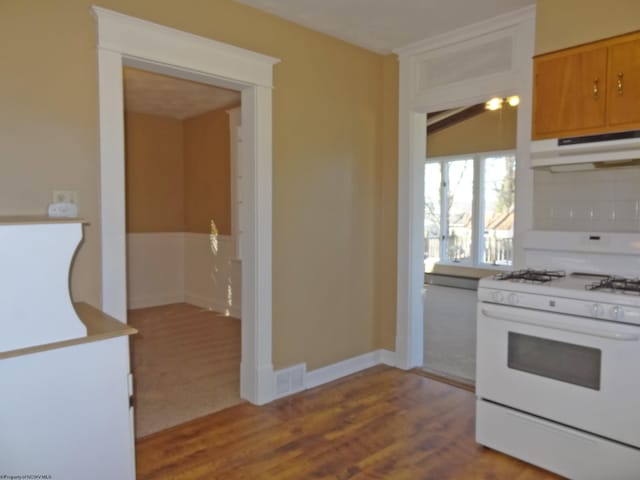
point(496, 103)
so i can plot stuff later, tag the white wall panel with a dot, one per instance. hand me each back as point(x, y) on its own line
point(212, 274)
point(155, 269)
point(450, 331)
point(178, 267)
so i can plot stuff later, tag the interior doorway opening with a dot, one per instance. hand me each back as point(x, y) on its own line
point(132, 42)
point(183, 264)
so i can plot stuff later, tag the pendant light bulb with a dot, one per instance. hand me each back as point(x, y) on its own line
point(494, 104)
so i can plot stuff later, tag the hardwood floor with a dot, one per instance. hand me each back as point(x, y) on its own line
point(186, 364)
point(381, 423)
point(456, 382)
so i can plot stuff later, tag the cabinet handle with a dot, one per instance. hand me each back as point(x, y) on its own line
point(620, 84)
point(596, 88)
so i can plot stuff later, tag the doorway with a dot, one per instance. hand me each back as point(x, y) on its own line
point(128, 41)
point(183, 268)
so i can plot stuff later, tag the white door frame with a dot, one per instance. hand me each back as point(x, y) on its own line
point(125, 40)
point(421, 64)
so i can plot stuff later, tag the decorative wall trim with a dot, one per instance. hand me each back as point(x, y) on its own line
point(125, 40)
point(415, 100)
point(500, 22)
point(143, 39)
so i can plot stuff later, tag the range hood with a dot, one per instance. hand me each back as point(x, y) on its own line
point(618, 149)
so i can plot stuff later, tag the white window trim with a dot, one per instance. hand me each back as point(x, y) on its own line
point(477, 239)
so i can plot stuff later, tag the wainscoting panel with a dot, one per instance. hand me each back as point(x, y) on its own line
point(212, 274)
point(155, 269)
point(195, 268)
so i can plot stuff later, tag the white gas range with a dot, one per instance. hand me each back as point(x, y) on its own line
point(558, 351)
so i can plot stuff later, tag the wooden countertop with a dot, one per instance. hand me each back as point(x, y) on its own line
point(100, 326)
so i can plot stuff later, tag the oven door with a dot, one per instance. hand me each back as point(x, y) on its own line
point(573, 370)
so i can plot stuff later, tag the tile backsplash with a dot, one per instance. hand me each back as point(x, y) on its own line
point(594, 200)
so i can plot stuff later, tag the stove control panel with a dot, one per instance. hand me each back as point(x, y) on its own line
point(599, 310)
point(616, 313)
point(497, 297)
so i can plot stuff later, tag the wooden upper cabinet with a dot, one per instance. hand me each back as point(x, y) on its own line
point(623, 97)
point(568, 92)
point(593, 88)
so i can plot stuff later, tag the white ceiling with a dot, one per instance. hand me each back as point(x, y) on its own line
point(155, 94)
point(383, 25)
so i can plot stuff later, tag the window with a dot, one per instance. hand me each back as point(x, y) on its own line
point(469, 209)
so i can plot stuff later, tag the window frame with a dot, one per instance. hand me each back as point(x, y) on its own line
point(477, 213)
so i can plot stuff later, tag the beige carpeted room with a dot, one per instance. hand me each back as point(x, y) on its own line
point(183, 258)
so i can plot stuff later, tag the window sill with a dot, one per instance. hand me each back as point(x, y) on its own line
point(465, 270)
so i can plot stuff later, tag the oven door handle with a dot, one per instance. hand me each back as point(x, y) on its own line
point(594, 332)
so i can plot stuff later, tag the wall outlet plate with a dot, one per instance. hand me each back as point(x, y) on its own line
point(65, 196)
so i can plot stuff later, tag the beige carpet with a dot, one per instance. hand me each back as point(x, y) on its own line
point(186, 364)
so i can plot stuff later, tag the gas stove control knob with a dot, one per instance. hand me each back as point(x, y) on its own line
point(513, 299)
point(597, 310)
point(617, 313)
point(497, 297)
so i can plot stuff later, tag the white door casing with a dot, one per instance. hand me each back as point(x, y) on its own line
point(125, 40)
point(235, 175)
point(463, 67)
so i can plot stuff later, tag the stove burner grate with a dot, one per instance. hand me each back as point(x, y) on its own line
point(617, 285)
point(531, 275)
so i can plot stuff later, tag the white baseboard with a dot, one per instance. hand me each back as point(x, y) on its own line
point(154, 300)
point(341, 369)
point(386, 357)
point(285, 383)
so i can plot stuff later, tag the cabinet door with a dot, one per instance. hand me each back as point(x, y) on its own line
point(623, 89)
point(569, 93)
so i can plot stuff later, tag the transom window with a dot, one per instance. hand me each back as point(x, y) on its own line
point(469, 209)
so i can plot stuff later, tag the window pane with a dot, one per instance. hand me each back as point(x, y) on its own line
point(459, 209)
point(432, 209)
point(498, 207)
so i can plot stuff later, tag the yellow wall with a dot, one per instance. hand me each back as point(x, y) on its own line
point(486, 132)
point(154, 173)
point(178, 173)
point(565, 23)
point(207, 173)
point(333, 166)
point(387, 206)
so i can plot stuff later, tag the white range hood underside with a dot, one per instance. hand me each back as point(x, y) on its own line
point(585, 155)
